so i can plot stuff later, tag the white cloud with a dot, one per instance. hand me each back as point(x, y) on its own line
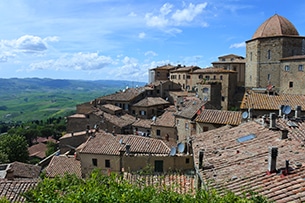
point(189, 13)
point(142, 35)
point(78, 61)
point(150, 53)
point(132, 14)
point(238, 45)
point(169, 17)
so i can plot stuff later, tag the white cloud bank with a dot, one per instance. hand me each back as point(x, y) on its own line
point(238, 45)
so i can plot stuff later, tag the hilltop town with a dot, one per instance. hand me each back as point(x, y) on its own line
point(236, 125)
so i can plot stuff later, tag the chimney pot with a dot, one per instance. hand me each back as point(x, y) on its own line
point(272, 120)
point(297, 113)
point(272, 155)
point(284, 134)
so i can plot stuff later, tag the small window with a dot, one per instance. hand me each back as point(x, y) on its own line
point(94, 162)
point(287, 68)
point(222, 98)
point(250, 56)
point(221, 77)
point(183, 77)
point(207, 77)
point(177, 122)
point(205, 90)
point(142, 113)
point(214, 77)
point(269, 54)
point(268, 77)
point(107, 163)
point(186, 126)
point(205, 129)
point(187, 160)
point(200, 76)
point(300, 68)
point(246, 138)
point(158, 132)
point(179, 77)
point(290, 84)
point(188, 77)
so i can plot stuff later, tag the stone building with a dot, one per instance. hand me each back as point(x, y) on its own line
point(181, 75)
point(160, 73)
point(275, 57)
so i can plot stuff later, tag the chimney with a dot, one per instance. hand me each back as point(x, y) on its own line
point(201, 153)
point(10, 174)
point(281, 110)
point(272, 121)
point(272, 154)
point(127, 149)
point(72, 133)
point(297, 113)
point(284, 134)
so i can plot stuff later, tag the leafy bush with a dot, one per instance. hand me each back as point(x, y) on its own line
point(100, 188)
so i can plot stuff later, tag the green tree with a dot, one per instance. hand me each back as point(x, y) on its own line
point(14, 147)
point(51, 148)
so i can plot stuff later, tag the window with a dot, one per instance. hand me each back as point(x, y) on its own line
point(142, 113)
point(179, 77)
point(158, 74)
point(94, 162)
point(222, 98)
point(250, 56)
point(207, 77)
point(214, 77)
point(205, 129)
point(200, 76)
point(300, 68)
point(221, 77)
point(268, 77)
point(205, 90)
point(183, 77)
point(287, 68)
point(158, 132)
point(107, 163)
point(290, 84)
point(187, 160)
point(188, 77)
point(177, 122)
point(269, 54)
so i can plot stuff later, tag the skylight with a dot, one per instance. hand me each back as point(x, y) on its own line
point(246, 138)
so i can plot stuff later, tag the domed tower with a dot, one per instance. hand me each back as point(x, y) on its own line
point(275, 39)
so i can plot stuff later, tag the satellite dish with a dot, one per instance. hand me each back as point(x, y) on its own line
point(166, 98)
point(245, 115)
point(121, 141)
point(180, 147)
point(173, 151)
point(287, 109)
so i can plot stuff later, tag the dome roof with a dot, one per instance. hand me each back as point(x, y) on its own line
point(275, 26)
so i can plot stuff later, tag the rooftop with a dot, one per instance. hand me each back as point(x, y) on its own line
point(121, 121)
point(151, 101)
point(237, 157)
point(212, 70)
point(124, 95)
point(276, 26)
point(60, 165)
point(219, 117)
point(109, 144)
point(189, 108)
point(271, 102)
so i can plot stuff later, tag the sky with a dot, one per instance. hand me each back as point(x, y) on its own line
point(123, 39)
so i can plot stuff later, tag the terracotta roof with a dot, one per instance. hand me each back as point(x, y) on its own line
point(38, 150)
point(45, 139)
point(167, 119)
point(121, 121)
point(184, 69)
point(189, 108)
point(231, 56)
point(276, 26)
point(151, 101)
point(77, 116)
point(60, 165)
point(124, 95)
point(111, 107)
point(219, 117)
point(108, 144)
point(13, 189)
point(144, 123)
point(213, 70)
point(164, 67)
point(20, 170)
point(271, 102)
point(67, 135)
point(237, 157)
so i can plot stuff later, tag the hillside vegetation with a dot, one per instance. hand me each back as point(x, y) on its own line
point(38, 99)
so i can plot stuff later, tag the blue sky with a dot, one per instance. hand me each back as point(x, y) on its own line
point(122, 40)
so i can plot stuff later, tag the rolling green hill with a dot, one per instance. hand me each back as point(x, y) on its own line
point(38, 99)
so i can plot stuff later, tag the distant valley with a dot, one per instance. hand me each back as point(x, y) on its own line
point(38, 99)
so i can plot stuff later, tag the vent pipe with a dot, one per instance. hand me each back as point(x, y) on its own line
point(201, 153)
point(281, 110)
point(297, 112)
point(272, 155)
